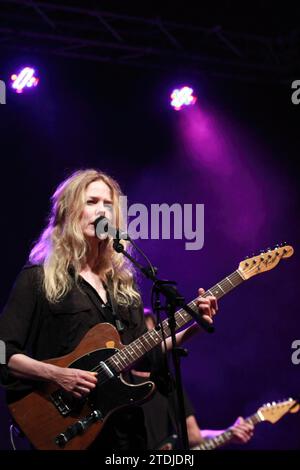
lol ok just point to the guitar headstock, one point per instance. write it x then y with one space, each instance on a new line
274 411
265 261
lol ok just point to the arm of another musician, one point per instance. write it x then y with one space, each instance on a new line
242 432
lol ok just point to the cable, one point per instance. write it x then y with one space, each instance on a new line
12 430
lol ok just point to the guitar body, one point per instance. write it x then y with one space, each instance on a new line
54 420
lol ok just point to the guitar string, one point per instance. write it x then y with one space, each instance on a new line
235 277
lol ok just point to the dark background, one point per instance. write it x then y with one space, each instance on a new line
243 167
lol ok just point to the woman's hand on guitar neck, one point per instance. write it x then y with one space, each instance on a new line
207 306
76 381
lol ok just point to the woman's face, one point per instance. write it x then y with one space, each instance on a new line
98 201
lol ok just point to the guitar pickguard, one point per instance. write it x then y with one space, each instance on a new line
112 391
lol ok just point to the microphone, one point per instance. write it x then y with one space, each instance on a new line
104 227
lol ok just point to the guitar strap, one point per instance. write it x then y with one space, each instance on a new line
114 307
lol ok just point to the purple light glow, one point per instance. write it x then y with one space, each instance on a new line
223 152
182 97
25 78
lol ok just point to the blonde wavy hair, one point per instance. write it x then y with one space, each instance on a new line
62 247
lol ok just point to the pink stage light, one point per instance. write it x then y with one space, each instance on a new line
25 78
182 97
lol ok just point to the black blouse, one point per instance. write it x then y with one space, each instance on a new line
31 325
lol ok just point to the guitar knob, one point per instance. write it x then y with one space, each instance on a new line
61 440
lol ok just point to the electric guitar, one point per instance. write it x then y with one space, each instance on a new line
52 419
271 412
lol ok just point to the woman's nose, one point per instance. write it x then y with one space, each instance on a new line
100 209
103 211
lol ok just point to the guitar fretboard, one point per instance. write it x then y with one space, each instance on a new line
134 351
224 437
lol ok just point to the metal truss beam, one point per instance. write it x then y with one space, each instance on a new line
91 34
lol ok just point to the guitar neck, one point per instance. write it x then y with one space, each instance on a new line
134 351
224 437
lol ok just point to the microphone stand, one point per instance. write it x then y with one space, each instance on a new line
173 299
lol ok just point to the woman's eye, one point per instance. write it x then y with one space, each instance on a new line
90 202
108 206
